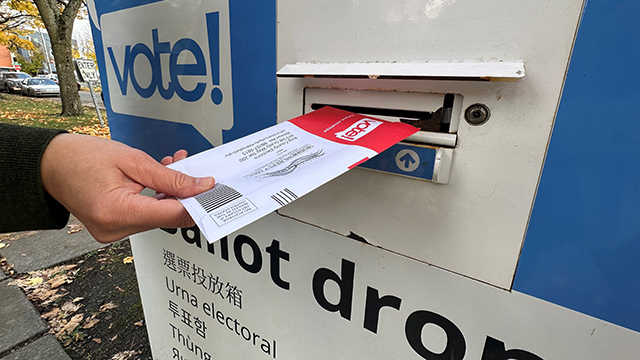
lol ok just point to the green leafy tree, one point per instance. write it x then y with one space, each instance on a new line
58 17
33 65
89 51
15 16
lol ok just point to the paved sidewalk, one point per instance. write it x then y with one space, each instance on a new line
85 97
23 334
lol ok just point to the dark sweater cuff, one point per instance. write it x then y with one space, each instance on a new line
24 204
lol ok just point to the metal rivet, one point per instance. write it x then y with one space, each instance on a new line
477 114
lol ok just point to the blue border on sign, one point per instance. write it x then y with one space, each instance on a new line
582 248
253 64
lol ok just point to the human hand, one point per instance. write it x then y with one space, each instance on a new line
99 181
179 155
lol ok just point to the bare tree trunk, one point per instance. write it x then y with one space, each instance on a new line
71 103
59 24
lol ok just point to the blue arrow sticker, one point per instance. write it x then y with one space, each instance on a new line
414 161
407 159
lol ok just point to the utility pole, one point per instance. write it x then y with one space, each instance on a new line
46 50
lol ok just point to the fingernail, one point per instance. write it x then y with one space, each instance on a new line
205 182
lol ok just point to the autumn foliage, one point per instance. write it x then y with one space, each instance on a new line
45 112
16 16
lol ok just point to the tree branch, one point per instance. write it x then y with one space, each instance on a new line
48 10
15 20
53 4
71 10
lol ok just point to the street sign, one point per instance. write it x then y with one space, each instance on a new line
17 67
86 70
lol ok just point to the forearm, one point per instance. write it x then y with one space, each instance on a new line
24 204
43 173
100 181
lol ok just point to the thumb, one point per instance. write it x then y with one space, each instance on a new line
152 174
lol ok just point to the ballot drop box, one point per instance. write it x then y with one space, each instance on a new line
506 228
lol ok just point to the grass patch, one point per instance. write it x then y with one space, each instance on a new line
45 112
96 89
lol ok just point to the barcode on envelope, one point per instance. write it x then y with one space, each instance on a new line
219 196
284 196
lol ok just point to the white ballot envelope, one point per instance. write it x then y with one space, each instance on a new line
267 170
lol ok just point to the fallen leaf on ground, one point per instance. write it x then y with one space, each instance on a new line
74 228
3 245
56 324
71 325
70 307
51 314
128 260
139 323
57 281
108 306
95 130
48 295
96 340
114 338
50 277
77 299
33 281
120 289
90 324
125 355
16 236
45 295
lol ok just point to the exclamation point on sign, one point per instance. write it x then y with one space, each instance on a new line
213 30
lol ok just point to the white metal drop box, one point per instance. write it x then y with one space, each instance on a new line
491 98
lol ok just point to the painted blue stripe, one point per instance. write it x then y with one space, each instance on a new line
103 7
157 138
582 249
253 66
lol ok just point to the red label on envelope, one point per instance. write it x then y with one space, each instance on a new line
354 129
266 170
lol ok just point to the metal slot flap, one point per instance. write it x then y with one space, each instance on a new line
437 115
476 71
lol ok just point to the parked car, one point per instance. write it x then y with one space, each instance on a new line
11 81
39 87
53 77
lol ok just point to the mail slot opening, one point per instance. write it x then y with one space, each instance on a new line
436 115
435 121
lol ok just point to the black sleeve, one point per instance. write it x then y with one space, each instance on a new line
24 204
